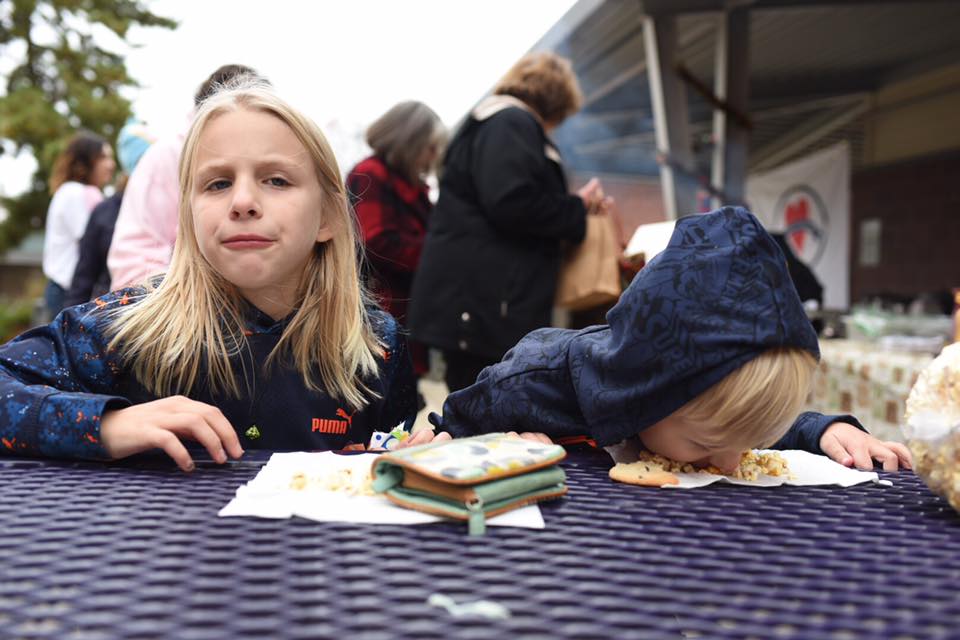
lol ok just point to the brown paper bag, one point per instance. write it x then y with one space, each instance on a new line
590 275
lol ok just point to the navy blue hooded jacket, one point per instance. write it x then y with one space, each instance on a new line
91 277
56 381
716 297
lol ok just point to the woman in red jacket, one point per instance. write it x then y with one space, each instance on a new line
392 203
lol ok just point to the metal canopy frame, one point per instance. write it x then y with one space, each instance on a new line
637 59
730 100
671 115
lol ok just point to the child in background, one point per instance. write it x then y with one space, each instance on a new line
79 174
146 228
259 336
708 353
91 278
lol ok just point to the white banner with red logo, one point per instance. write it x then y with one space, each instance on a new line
809 201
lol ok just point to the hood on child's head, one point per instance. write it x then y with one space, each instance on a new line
715 298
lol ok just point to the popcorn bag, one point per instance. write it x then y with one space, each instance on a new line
932 426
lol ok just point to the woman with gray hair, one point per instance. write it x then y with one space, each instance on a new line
392 203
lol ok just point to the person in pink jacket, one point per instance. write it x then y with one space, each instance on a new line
147 225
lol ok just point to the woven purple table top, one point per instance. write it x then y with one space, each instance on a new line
99 551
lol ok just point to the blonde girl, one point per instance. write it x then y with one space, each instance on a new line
259 336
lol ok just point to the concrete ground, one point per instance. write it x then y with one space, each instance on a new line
434 392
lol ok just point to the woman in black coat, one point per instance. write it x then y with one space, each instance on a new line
488 272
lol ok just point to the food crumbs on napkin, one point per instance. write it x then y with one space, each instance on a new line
328 487
346 481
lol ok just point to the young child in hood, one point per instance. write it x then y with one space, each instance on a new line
260 335
708 353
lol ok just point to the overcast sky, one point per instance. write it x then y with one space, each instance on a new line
344 62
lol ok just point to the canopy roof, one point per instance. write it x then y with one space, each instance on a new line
812 66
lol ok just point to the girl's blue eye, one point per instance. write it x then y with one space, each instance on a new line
278 182
218 185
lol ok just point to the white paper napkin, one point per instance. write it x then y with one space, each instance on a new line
269 496
806 469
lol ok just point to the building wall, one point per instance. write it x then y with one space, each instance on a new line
917 203
638 199
914 117
909 183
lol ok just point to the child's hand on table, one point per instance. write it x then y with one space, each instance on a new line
427 435
160 425
851 447
536 436
423 437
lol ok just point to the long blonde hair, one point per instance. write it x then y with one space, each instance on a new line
758 402
190 324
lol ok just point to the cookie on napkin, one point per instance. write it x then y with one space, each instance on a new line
646 474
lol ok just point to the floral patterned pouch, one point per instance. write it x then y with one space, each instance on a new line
471 478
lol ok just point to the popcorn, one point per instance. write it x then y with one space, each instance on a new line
752 465
341 481
932 427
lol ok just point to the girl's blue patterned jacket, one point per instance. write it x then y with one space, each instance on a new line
56 382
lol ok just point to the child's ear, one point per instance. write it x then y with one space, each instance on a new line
325 233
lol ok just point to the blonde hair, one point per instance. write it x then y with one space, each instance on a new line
401 134
546 83
192 320
758 402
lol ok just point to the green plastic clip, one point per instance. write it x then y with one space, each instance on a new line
476 521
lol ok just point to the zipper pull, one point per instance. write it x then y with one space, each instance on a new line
476 523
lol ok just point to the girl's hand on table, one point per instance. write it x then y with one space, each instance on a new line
851 447
162 423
